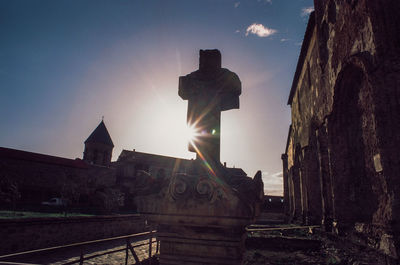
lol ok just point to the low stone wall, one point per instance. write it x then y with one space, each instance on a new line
34 233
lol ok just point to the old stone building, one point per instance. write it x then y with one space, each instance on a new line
341 164
88 182
99 146
135 168
130 163
39 177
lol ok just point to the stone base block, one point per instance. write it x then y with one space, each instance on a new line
199 245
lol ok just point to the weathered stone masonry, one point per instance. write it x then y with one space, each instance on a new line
341 164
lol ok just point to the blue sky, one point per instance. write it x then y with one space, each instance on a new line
65 64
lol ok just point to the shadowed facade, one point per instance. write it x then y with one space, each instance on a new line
341 160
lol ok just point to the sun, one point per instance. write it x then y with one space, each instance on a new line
191 133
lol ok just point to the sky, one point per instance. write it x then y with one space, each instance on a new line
66 64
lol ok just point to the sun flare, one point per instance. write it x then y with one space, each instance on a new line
191 133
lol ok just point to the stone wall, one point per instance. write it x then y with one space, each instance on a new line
27 234
40 177
341 163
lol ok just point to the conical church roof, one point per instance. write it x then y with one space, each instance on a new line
100 135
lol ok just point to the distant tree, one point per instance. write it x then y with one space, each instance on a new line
108 200
115 200
69 195
9 192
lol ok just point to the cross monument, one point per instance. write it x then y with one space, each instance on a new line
209 91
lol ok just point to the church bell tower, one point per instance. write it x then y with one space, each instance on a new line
98 146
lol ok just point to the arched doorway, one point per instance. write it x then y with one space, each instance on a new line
353 196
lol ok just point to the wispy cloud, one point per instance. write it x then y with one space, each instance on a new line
236 5
284 40
237 31
277 174
273 183
260 30
265 1
306 11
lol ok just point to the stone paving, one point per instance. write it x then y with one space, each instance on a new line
115 258
64 256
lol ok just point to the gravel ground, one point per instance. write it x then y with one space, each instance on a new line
273 248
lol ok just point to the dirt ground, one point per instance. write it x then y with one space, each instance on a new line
298 247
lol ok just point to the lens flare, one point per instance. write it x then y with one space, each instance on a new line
191 133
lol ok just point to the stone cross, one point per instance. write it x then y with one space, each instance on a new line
209 90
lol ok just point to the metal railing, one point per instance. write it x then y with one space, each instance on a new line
258 228
129 239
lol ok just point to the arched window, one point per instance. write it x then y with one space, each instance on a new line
105 158
95 155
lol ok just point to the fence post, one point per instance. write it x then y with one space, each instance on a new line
126 251
81 257
137 261
157 244
150 244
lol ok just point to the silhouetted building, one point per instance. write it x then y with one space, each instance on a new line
130 163
98 146
341 164
39 177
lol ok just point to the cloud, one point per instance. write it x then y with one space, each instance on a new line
236 5
237 31
283 40
306 11
265 1
277 174
260 30
273 183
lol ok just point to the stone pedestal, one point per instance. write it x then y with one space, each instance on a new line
200 218
200 245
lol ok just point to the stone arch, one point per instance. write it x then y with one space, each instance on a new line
325 176
297 185
352 187
311 171
292 197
